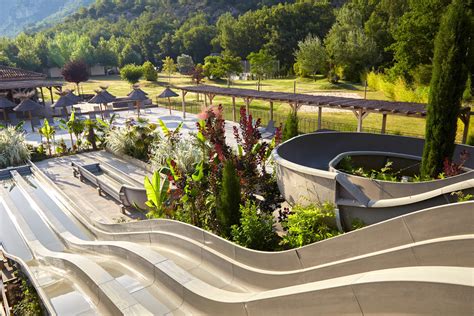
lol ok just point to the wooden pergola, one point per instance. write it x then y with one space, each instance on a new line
360 107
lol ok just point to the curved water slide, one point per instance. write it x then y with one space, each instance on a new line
257 278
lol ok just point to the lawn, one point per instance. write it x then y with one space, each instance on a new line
308 121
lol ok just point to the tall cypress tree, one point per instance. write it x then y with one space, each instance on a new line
448 82
228 207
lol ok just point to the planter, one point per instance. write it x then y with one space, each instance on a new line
307 173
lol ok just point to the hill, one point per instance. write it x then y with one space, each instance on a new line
17 15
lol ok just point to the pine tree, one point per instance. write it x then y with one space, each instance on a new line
290 128
447 86
228 208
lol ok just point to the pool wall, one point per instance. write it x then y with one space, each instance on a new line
305 176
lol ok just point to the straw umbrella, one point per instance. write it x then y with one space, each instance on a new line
137 95
64 101
168 93
28 105
4 105
70 94
107 94
100 98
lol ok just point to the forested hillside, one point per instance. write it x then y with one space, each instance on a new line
16 15
347 39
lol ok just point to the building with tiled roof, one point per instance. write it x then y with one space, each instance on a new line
15 74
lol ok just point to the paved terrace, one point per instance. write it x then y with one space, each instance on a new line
152 114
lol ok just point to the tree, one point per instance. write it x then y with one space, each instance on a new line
262 64
185 64
290 129
149 71
194 37
450 70
169 66
131 73
228 209
222 66
311 57
105 55
129 56
75 71
348 46
198 73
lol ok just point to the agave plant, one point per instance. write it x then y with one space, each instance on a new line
13 147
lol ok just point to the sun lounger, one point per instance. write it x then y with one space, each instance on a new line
269 130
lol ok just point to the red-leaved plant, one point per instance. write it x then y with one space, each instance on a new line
450 168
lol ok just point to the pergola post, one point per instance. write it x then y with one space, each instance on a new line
51 93
234 113
205 99
360 115
247 105
465 118
384 123
184 103
320 117
42 96
271 110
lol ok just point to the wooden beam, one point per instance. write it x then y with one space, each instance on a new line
384 123
271 110
234 113
42 96
247 105
184 104
320 117
205 100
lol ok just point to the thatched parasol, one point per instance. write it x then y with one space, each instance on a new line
66 99
28 105
107 94
4 105
137 95
100 98
168 93
70 94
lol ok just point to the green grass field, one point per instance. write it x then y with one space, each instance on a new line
308 121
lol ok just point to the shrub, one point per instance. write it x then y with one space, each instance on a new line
157 195
228 206
134 139
290 128
255 230
185 153
13 148
131 73
149 71
309 224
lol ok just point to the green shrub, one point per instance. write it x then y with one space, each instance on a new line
398 90
255 230
13 148
228 206
290 128
149 71
308 224
131 73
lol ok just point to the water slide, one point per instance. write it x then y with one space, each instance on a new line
165 266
